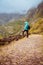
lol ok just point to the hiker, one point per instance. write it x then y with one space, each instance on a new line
26 28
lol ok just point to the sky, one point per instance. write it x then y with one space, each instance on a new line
17 6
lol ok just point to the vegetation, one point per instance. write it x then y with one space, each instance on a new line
11 28
37 27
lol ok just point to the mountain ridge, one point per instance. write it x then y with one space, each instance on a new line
6 17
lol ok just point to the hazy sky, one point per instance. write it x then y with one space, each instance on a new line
15 6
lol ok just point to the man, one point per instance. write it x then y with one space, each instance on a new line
26 28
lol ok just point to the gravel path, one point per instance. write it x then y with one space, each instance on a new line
27 51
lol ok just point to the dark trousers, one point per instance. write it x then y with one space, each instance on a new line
26 32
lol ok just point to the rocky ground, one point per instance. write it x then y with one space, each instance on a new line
26 51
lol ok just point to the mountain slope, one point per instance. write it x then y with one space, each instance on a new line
37 27
35 13
11 28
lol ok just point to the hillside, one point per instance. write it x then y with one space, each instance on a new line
35 12
35 16
27 51
37 27
11 28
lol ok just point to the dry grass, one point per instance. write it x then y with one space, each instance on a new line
37 27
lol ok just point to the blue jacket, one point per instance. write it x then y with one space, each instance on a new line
26 24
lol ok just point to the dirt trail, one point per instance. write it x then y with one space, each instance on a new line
27 51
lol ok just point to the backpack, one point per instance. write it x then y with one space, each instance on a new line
28 27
